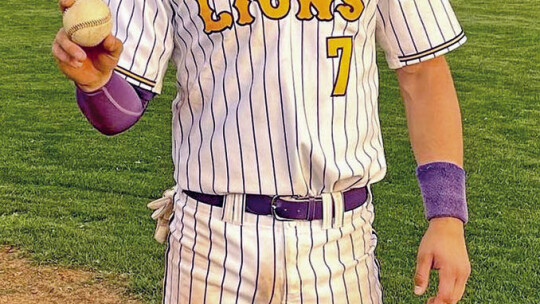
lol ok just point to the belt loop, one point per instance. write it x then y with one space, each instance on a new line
227 209
339 209
311 209
234 206
368 204
327 210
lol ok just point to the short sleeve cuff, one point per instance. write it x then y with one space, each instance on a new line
138 80
433 52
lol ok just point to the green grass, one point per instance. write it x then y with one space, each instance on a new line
73 197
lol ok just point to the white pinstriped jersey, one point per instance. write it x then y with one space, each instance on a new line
277 97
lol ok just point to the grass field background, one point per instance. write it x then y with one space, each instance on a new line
73 197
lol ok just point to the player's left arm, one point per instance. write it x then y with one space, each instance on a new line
434 123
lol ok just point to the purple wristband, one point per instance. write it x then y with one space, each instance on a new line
115 107
443 189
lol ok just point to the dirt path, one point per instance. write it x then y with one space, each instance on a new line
22 282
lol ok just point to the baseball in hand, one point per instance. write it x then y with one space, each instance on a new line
88 22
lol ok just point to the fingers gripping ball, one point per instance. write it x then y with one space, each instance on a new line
87 22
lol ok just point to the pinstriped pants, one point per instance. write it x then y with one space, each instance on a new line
265 260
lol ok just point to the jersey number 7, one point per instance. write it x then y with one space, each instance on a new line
344 43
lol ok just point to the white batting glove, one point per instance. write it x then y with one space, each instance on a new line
163 210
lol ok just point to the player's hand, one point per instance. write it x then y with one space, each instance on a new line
89 68
443 248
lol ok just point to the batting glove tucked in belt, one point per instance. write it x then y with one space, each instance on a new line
163 210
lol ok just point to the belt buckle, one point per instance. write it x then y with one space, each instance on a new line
273 210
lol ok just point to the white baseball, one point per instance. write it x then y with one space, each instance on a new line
88 22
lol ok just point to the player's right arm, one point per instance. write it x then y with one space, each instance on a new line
107 100
116 79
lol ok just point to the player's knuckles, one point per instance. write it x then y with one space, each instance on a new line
61 34
72 49
54 49
117 47
68 46
58 53
62 37
61 57
120 45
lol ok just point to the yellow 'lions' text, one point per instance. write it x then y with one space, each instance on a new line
350 10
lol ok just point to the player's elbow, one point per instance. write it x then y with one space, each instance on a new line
110 131
114 127
111 117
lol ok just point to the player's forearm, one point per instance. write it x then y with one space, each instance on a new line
434 122
433 114
115 107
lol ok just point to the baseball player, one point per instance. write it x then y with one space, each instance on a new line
276 139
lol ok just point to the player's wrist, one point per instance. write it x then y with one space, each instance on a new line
443 190
446 221
95 86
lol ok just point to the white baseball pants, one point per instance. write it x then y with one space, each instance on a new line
264 260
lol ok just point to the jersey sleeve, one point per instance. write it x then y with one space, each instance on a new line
412 31
146 31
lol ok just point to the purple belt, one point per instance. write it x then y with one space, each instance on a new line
308 209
